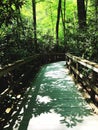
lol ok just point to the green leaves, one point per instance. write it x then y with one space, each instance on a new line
8 9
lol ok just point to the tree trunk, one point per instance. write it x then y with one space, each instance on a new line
86 5
81 14
57 23
63 18
52 20
34 23
96 14
64 9
63 22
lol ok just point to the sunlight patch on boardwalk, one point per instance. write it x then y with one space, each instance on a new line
54 103
46 121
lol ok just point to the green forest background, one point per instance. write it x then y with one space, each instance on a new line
45 26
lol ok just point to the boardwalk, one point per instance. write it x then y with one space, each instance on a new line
54 103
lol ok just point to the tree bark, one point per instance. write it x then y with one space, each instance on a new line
34 23
64 9
96 14
63 17
52 20
63 22
57 23
81 14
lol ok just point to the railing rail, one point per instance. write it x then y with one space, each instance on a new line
12 77
49 57
15 65
6 72
41 58
85 72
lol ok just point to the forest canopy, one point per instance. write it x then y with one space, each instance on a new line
44 26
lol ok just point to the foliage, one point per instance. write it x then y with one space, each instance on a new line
15 43
16 29
9 10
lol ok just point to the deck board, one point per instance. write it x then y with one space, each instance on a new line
54 103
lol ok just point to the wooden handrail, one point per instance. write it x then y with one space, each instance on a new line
16 64
85 72
10 73
85 63
10 67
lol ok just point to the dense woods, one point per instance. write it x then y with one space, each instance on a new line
40 26
37 32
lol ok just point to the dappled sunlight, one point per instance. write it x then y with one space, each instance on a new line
46 121
53 102
53 72
44 99
36 91
58 93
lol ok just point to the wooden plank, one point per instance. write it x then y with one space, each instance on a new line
60 105
3 94
91 65
77 72
16 64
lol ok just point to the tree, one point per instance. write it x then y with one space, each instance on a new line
81 13
34 23
8 11
96 14
63 18
57 22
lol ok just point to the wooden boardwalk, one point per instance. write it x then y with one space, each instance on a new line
54 103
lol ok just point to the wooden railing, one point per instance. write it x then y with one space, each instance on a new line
13 78
37 59
86 73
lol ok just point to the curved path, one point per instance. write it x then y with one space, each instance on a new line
54 103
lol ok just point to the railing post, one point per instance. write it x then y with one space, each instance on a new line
93 80
70 65
81 69
77 66
66 59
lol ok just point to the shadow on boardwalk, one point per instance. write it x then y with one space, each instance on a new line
53 91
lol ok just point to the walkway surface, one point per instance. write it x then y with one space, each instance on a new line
54 103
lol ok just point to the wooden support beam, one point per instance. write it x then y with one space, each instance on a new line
87 81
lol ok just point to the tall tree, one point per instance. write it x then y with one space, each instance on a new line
81 13
52 20
63 17
57 22
34 23
96 14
